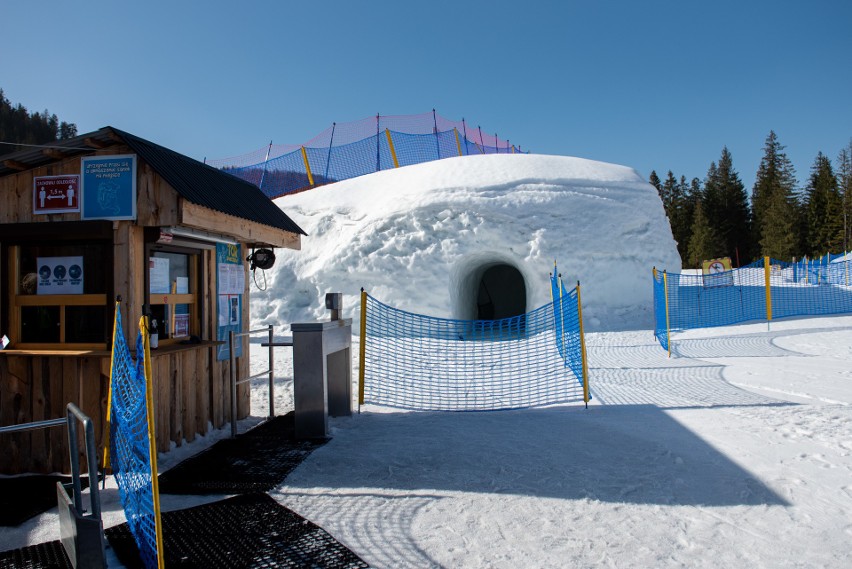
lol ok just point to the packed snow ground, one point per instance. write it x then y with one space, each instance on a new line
736 452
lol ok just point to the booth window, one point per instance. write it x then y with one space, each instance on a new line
172 293
58 294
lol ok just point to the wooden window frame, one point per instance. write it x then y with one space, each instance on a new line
18 301
193 298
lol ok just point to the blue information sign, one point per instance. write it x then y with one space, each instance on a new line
108 187
230 283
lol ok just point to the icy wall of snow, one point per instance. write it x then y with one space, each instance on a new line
421 237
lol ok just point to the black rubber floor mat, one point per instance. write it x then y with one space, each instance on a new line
22 497
50 555
251 530
255 461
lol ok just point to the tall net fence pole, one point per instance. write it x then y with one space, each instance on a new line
583 348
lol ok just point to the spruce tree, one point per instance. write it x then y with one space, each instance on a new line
654 180
775 176
726 208
20 126
823 209
844 185
703 243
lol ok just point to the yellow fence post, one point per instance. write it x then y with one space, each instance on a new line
362 348
393 152
307 166
766 271
458 142
668 327
152 440
109 391
583 348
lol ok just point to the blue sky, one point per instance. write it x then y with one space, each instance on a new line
652 85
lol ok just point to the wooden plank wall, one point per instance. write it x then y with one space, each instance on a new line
39 388
191 391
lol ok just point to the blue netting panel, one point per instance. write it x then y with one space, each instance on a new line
129 447
818 289
347 150
566 316
795 289
426 363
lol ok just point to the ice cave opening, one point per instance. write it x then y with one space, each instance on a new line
489 290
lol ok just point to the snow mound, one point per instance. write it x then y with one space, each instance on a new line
475 237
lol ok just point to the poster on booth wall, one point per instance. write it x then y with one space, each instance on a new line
230 284
109 187
56 194
60 275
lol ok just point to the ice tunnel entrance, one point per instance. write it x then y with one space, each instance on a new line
502 293
489 290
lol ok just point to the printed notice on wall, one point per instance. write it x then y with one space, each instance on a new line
108 187
232 279
158 273
230 284
60 275
56 194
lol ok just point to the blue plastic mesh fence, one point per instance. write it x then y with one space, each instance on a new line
129 447
421 362
795 289
348 150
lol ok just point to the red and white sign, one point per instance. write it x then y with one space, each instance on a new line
56 194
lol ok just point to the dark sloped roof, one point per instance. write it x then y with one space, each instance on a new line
195 181
206 186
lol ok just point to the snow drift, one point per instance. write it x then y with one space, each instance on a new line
475 237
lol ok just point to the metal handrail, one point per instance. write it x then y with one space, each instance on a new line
33 426
233 372
74 412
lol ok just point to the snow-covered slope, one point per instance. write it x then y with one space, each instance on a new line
421 237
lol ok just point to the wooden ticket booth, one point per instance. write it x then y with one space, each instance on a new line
109 215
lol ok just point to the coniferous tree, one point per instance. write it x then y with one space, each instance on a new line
703 243
654 180
19 126
775 177
726 207
823 210
844 185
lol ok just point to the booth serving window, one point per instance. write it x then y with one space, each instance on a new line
58 294
172 293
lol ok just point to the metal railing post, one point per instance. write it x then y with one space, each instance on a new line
233 375
92 461
271 377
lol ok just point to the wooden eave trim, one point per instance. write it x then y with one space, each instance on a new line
94 143
15 165
53 153
206 219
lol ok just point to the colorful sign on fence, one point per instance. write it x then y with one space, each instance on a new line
717 272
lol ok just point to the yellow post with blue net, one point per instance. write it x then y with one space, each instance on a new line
766 271
392 150
307 166
152 441
668 325
109 391
362 348
458 142
583 348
